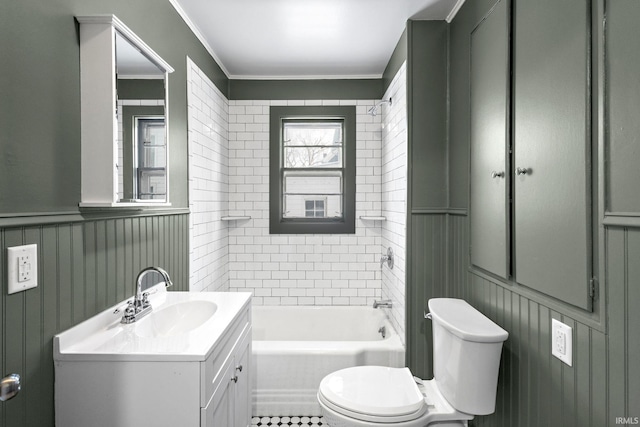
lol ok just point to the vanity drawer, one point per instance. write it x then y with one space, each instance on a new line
211 369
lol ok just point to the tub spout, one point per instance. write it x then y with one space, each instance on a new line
386 303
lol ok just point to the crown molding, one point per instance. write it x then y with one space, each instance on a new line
196 31
454 11
307 77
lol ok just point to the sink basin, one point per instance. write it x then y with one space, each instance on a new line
182 326
176 319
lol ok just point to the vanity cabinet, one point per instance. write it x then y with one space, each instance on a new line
531 148
229 385
109 374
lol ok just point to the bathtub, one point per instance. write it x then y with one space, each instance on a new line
295 347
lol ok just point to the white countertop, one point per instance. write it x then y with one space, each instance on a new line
104 338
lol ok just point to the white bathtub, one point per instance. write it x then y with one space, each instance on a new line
295 347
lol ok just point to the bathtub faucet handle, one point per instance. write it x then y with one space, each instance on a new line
388 258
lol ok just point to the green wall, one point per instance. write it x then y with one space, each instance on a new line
535 388
84 267
427 113
86 262
140 89
40 92
398 57
426 44
305 89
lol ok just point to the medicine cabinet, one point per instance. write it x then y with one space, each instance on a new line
124 117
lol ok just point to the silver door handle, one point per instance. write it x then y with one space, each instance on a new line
9 387
522 171
495 174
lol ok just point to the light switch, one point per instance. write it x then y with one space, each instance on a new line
22 268
561 341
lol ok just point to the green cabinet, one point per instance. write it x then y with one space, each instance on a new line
489 200
552 140
533 226
622 109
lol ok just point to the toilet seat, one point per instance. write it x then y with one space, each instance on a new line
373 393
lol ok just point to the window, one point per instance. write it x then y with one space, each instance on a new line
312 170
151 159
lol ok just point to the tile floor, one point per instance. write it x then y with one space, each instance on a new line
287 421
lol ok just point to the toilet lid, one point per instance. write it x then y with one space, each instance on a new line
376 391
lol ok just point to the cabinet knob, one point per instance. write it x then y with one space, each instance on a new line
239 368
495 174
234 378
522 171
9 387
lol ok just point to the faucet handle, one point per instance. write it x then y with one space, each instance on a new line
130 310
145 299
388 258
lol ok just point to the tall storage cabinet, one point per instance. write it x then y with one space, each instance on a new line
552 140
489 202
544 127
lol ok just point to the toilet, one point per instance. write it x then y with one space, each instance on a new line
466 356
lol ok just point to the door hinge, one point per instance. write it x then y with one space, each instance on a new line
593 288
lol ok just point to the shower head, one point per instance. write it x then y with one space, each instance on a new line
374 110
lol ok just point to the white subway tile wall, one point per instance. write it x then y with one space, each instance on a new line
229 175
208 126
394 196
301 269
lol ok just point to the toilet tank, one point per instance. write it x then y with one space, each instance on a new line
466 355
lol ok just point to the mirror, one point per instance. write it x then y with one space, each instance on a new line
124 117
141 137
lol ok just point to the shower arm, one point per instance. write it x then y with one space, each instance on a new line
374 110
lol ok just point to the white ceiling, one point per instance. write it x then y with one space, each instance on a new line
260 39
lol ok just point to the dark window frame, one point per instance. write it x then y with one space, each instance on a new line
280 225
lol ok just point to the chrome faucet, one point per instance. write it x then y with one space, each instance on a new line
140 306
386 303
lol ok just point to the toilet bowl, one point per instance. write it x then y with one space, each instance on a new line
384 397
466 352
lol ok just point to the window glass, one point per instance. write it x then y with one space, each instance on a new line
314 208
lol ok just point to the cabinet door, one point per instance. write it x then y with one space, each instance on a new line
489 204
243 385
552 148
219 411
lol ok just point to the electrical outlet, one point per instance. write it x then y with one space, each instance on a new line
22 268
561 341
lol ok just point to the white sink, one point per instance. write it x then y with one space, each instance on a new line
175 319
182 326
104 375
